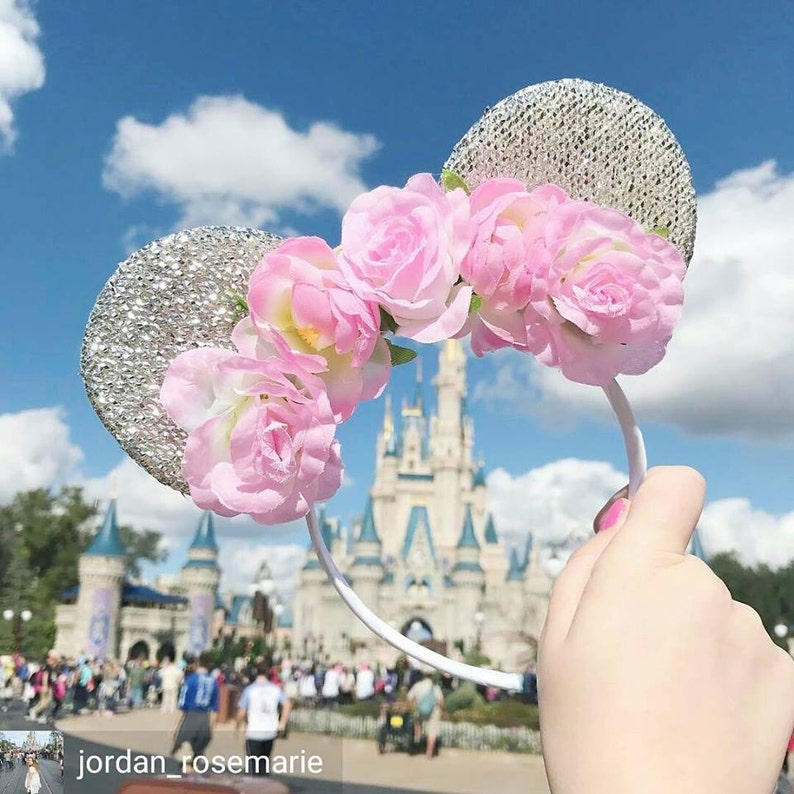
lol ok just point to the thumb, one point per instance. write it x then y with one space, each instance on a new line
570 584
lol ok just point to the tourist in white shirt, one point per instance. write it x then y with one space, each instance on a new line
259 709
331 686
365 683
170 680
307 687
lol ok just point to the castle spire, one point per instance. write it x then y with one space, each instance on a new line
468 540
527 551
418 396
490 531
369 533
205 533
107 542
516 571
388 421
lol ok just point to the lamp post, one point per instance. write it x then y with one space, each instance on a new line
781 630
17 621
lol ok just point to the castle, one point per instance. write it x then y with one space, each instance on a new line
427 556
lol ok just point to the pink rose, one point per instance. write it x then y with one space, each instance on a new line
299 291
261 432
501 263
607 297
402 248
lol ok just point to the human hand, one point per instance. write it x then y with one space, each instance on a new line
651 678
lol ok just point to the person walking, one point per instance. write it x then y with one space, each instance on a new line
365 683
171 678
198 701
265 710
33 776
43 684
82 680
428 699
135 677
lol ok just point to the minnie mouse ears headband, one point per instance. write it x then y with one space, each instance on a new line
222 359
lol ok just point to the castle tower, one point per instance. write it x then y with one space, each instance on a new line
200 578
514 586
494 555
367 569
384 488
537 585
307 615
101 571
450 444
468 576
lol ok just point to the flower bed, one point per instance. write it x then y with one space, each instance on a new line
463 735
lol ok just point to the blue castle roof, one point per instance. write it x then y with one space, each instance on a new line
107 542
418 520
527 552
205 533
516 571
490 531
134 594
479 477
327 532
369 533
468 540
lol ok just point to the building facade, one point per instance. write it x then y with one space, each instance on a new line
106 616
427 556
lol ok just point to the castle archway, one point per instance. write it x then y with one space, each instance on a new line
418 630
138 649
167 650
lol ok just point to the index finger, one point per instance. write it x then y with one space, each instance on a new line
663 514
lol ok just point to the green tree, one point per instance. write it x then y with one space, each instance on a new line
769 591
42 536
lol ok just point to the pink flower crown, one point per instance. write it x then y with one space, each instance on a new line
582 287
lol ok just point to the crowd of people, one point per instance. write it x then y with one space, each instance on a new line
56 685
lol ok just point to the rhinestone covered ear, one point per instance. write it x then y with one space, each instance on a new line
176 293
595 142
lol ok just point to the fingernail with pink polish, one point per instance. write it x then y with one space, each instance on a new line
613 515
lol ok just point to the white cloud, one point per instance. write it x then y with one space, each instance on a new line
729 370
145 503
228 161
754 535
551 501
35 451
563 497
21 62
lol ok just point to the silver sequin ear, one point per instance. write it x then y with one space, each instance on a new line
174 294
596 143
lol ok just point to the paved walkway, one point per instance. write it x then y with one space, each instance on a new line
353 761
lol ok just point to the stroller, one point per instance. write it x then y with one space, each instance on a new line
397 729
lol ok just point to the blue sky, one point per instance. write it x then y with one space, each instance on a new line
414 77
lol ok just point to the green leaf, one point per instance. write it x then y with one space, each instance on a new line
450 181
240 304
662 231
476 302
387 322
399 354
